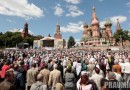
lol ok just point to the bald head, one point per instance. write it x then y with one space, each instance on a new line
39 77
55 66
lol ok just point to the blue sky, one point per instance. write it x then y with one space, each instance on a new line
43 15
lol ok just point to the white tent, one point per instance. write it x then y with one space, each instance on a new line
47 38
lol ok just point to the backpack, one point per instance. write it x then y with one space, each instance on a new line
37 87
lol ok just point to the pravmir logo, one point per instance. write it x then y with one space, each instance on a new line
117 84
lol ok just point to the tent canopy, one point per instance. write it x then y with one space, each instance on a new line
47 38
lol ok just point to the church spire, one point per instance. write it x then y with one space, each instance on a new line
94 14
58 23
94 17
118 27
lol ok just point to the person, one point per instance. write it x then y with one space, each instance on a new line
82 83
31 76
54 77
118 76
97 77
18 79
22 70
60 68
7 83
90 67
45 73
100 71
59 86
111 82
116 67
39 84
4 69
69 79
103 85
127 71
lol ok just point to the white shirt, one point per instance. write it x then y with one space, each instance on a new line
97 79
127 68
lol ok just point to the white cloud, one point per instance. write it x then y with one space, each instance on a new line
58 10
114 20
128 4
74 11
20 8
121 19
11 21
102 23
73 27
73 1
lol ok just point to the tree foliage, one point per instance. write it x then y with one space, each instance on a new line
71 42
121 35
10 39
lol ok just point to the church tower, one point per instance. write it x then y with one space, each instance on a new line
85 26
118 27
26 29
57 34
108 25
104 34
95 24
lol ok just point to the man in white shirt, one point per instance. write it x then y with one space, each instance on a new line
127 70
97 78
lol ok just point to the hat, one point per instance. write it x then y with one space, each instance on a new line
83 72
97 66
69 66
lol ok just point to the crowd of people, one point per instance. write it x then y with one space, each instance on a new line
63 69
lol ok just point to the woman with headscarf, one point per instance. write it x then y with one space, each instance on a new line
83 82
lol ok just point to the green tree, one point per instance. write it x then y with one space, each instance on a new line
16 38
71 42
29 40
121 35
38 37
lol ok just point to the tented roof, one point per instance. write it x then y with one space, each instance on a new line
48 38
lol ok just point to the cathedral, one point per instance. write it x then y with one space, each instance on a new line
94 35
